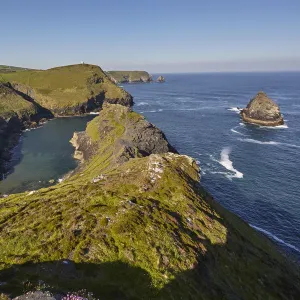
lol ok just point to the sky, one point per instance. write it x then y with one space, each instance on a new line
157 36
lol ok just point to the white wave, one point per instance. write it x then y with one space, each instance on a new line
275 238
142 104
227 163
242 124
235 131
94 113
160 109
235 109
268 143
259 142
284 126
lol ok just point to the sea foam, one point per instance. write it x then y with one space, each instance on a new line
269 143
227 163
275 238
235 109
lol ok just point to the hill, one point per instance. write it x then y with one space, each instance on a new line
68 90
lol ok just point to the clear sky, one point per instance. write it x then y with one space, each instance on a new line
156 35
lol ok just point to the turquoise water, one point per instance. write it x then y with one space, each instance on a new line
43 154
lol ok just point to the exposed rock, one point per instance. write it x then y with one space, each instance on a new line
263 111
161 79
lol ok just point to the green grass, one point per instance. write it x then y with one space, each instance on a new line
12 104
131 237
64 87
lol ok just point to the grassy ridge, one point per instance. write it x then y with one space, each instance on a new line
137 229
65 87
12 104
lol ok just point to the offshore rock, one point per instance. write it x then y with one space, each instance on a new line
263 111
160 79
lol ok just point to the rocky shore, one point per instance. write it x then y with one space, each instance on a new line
263 111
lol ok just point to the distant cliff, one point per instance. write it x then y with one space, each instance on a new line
129 76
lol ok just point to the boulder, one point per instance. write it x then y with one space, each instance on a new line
263 111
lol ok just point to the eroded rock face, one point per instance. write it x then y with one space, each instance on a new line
160 79
263 111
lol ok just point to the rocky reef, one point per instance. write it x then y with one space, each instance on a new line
161 79
133 222
129 76
262 110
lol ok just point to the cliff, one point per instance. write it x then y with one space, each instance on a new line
133 222
68 90
129 76
263 111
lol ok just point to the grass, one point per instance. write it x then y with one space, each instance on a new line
13 104
146 230
70 86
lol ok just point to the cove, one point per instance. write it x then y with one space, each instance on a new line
43 154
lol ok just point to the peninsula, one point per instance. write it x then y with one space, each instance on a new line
132 221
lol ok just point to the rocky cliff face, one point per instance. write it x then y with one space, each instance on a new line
133 222
263 111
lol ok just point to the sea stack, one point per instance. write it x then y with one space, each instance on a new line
263 111
160 79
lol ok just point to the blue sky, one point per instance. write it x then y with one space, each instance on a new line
159 36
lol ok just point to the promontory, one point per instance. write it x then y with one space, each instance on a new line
262 110
133 222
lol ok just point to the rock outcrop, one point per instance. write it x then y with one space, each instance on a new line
263 111
129 76
161 79
133 222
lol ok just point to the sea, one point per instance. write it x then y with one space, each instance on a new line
251 170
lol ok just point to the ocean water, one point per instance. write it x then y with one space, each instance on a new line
251 170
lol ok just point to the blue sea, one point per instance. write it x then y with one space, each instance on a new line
251 170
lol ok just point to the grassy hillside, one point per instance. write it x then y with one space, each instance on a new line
135 228
129 76
65 90
13 104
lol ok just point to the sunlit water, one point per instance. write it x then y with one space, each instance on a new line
253 171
